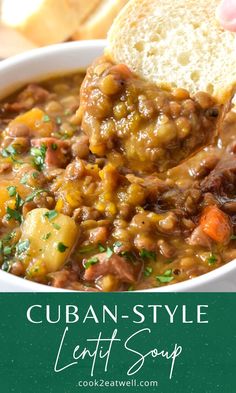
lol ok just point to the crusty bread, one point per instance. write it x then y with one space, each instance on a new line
175 44
99 21
46 21
12 42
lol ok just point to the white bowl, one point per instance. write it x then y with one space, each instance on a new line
40 63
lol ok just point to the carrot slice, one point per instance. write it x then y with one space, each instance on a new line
216 224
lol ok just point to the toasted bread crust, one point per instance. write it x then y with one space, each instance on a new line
99 21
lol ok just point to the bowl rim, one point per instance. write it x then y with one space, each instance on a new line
50 49
185 286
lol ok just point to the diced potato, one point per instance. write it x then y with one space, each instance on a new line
51 240
36 120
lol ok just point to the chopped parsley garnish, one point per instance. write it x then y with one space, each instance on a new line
233 237
39 155
145 254
61 247
117 244
165 277
109 252
35 175
46 119
35 193
13 214
56 226
58 120
19 201
64 136
24 179
131 288
86 249
101 247
6 266
212 259
46 236
7 250
67 112
54 146
11 191
51 214
91 262
22 246
9 151
129 255
8 236
148 271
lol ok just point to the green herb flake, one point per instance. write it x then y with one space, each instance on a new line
109 252
19 201
39 155
24 179
46 119
101 247
54 146
169 260
51 214
13 214
86 249
165 277
145 254
35 193
56 226
35 175
9 151
129 255
8 236
233 237
117 244
58 120
11 191
7 250
61 247
148 271
131 288
6 266
212 259
90 262
22 246
46 236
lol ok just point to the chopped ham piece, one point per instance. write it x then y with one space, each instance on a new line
57 153
114 265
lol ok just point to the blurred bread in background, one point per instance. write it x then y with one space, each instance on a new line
12 42
46 22
99 21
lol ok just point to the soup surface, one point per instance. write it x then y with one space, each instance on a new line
115 185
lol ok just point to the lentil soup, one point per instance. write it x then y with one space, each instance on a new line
108 183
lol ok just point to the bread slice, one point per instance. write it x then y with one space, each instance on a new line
175 44
13 42
46 21
100 20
